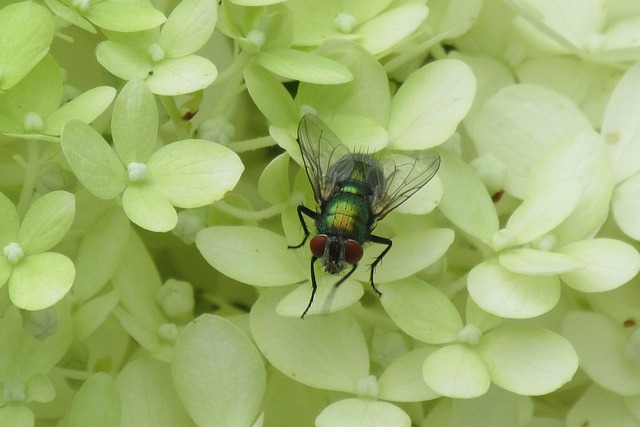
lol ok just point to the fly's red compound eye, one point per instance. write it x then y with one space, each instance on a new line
317 245
353 252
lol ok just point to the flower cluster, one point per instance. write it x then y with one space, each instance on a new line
150 175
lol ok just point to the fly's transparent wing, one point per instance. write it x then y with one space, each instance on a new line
326 159
403 177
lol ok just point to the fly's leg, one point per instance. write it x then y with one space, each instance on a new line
346 276
302 209
381 241
314 285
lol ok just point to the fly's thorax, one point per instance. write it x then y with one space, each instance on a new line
336 252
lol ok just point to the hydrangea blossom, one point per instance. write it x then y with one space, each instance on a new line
510 294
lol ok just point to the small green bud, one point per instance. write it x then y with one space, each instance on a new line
344 22
33 122
41 324
175 298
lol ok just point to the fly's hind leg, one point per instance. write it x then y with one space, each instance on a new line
381 241
302 209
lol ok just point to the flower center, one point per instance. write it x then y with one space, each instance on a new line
470 334
13 252
368 387
155 52
344 22
137 171
33 122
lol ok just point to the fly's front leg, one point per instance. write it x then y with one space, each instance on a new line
302 209
314 285
381 241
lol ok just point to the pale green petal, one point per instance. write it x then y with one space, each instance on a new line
367 94
424 200
384 31
47 221
601 408
85 107
603 347
271 98
497 408
92 160
148 396
421 311
528 360
179 76
491 76
212 376
543 211
70 15
26 31
194 172
148 208
430 104
105 239
402 381
536 262
362 412
452 18
358 133
229 249
126 62
519 123
465 200
124 16
97 403
273 184
41 280
588 85
145 334
512 295
188 27
456 371
10 224
572 22
38 92
92 314
255 2
17 416
5 270
304 66
584 157
328 297
134 123
626 206
609 264
410 253
40 389
619 127
333 346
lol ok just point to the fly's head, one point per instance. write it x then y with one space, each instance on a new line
336 252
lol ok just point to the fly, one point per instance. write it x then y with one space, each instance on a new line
353 191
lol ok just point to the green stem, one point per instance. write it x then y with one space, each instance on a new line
73 375
251 144
245 215
233 78
31 167
181 127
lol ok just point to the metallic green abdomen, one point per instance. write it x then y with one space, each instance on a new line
346 214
